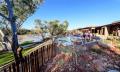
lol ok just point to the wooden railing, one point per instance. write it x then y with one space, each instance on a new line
34 60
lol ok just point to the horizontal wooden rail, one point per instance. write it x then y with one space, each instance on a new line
35 59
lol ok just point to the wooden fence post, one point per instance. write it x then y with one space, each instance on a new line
33 62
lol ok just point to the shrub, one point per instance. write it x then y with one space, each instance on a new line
98 51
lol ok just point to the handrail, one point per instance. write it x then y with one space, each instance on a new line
39 46
49 42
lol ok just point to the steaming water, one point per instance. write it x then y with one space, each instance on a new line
33 38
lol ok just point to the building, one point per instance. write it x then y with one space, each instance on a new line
109 29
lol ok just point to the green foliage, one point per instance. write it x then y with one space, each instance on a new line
22 10
13 13
6 57
26 43
57 28
98 51
23 31
52 28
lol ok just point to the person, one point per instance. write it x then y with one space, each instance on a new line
84 37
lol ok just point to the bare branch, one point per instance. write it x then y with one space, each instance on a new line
4 16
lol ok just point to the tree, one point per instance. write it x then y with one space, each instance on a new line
52 28
15 12
42 28
23 31
56 28
22 9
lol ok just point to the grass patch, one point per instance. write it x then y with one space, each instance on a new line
26 43
25 51
106 41
116 42
7 56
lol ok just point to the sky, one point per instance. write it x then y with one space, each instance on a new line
79 13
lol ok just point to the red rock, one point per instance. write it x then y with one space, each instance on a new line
67 58
98 65
116 50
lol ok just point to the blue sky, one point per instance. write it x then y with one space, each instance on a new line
79 13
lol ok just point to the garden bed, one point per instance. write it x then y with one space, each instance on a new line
78 58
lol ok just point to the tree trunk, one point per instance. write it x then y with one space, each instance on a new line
14 29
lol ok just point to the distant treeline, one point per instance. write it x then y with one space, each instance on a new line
24 31
19 32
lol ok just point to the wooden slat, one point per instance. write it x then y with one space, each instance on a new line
14 67
5 70
39 57
34 60
10 69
